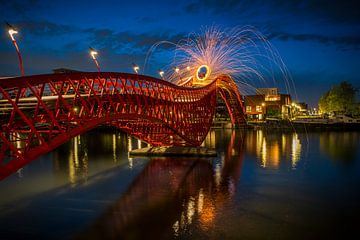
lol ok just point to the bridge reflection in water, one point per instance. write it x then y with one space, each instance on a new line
170 194
262 183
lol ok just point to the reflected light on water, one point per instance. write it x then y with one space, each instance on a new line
295 150
114 147
217 175
176 228
259 139
183 193
272 148
263 153
340 146
200 201
76 151
72 174
77 170
207 215
129 144
191 198
275 155
190 210
283 143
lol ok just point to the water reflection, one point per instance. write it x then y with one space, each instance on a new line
178 193
340 146
182 198
295 150
80 148
77 161
273 147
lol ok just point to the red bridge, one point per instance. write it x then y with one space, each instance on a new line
39 113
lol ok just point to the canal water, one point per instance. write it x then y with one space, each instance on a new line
262 185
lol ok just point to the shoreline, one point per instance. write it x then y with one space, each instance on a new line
306 126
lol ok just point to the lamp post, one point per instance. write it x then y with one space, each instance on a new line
93 54
12 31
136 68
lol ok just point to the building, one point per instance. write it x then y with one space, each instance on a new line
267 102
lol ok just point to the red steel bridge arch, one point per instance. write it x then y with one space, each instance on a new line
39 113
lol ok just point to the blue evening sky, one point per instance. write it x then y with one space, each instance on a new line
319 41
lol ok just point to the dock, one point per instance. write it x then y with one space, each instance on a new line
174 152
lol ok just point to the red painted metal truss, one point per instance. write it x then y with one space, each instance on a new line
39 113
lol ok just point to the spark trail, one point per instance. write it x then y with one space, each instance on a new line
243 53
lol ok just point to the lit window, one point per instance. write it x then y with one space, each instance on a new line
248 108
258 108
272 98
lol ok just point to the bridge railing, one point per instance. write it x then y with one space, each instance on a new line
39 113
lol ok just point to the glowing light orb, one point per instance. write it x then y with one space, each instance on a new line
203 72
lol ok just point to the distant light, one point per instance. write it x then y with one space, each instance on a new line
188 68
161 73
177 70
11 33
263 104
136 68
93 53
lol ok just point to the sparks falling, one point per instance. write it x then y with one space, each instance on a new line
242 53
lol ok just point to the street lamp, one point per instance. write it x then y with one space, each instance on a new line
93 54
161 73
177 70
12 31
136 68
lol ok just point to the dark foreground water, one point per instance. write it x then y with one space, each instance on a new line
262 185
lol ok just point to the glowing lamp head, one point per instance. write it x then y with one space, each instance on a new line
11 32
93 53
136 68
188 68
161 73
177 70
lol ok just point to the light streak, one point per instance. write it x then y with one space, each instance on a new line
242 53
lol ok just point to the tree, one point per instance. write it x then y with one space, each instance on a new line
324 103
340 98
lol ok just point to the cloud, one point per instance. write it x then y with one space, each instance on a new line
17 7
108 38
117 49
146 20
45 28
343 42
279 18
98 37
331 10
